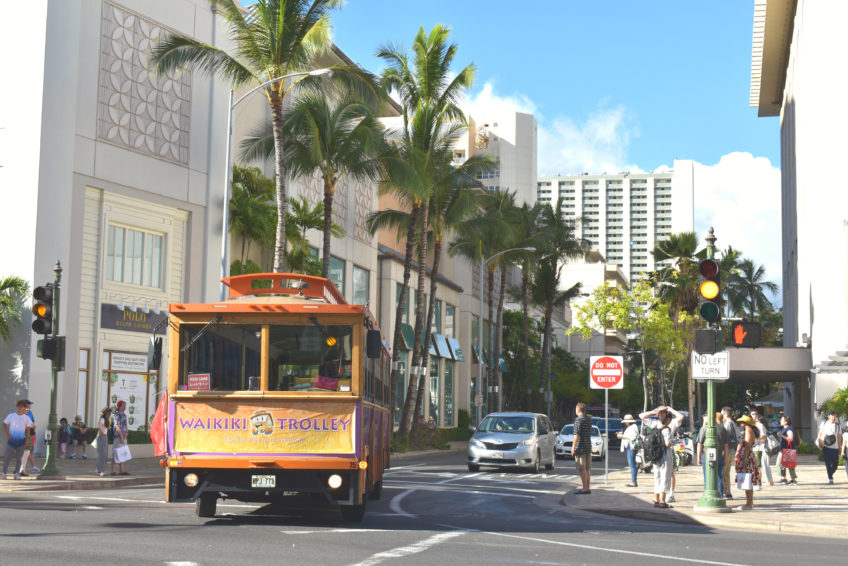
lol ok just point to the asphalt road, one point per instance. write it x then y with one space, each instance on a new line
433 511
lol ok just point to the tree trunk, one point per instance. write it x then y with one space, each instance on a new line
329 190
644 382
412 390
498 341
276 102
428 325
406 414
525 283
545 375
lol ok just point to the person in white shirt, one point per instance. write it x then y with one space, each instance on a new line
18 427
760 450
629 447
830 442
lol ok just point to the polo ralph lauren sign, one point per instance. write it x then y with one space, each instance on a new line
113 318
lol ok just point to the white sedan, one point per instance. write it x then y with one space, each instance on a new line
566 438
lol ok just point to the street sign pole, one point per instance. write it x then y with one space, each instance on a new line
50 469
711 500
606 372
606 437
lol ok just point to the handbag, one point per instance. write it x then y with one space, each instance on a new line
830 439
324 382
789 457
94 442
772 445
744 481
122 454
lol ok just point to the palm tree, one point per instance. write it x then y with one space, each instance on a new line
729 270
429 93
251 207
283 37
752 288
528 233
13 292
335 139
678 283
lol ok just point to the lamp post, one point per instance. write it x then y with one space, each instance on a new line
225 242
483 264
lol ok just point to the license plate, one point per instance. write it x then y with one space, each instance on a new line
263 481
498 455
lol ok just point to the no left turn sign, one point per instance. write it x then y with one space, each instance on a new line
606 372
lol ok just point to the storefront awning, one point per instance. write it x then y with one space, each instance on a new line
408 337
442 346
456 350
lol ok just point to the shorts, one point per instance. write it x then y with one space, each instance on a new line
583 462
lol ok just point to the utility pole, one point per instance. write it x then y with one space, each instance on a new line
50 470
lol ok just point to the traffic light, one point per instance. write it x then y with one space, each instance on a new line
43 309
709 306
747 334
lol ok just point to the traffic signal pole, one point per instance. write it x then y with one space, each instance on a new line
711 500
50 470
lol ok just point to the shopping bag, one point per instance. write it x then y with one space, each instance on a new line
122 454
24 459
744 481
94 442
789 457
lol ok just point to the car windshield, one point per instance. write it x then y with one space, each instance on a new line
514 424
568 429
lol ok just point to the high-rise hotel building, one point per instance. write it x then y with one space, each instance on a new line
624 215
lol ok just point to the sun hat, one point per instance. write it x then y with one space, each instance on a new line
628 418
745 419
831 412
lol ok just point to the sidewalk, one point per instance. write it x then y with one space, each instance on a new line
813 507
80 474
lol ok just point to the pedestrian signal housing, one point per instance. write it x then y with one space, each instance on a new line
43 309
709 289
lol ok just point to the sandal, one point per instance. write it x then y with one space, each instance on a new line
630 485
662 505
747 508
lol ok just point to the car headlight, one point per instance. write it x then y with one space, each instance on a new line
559 442
477 444
528 442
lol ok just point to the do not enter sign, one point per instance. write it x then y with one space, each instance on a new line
606 372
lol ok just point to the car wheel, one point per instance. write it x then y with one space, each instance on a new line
206 504
473 468
353 513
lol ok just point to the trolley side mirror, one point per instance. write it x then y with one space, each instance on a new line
373 344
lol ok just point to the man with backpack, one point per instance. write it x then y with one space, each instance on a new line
664 422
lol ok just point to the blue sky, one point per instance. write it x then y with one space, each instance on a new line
614 85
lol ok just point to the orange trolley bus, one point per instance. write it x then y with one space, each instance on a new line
282 390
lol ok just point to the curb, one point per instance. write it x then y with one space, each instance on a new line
91 484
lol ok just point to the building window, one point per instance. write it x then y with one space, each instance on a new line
450 321
337 273
434 390
437 317
134 257
448 408
361 285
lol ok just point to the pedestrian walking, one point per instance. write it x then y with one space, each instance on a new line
721 450
830 442
732 444
103 440
765 468
630 446
18 427
667 420
787 440
581 447
747 471
119 420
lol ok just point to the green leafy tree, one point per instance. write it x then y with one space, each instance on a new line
838 403
282 38
251 208
13 293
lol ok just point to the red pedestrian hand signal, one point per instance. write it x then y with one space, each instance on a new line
739 334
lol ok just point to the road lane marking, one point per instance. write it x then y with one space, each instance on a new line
670 557
431 487
324 531
394 505
415 548
454 490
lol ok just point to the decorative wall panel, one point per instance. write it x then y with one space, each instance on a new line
138 109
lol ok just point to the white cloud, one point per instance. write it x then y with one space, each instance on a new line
740 197
488 103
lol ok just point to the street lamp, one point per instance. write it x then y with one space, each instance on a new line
225 243
483 264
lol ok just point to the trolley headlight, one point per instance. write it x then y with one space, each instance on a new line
334 481
190 480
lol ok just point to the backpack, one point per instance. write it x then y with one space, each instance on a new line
655 446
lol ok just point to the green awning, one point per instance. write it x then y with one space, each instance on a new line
456 350
408 335
476 350
486 356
